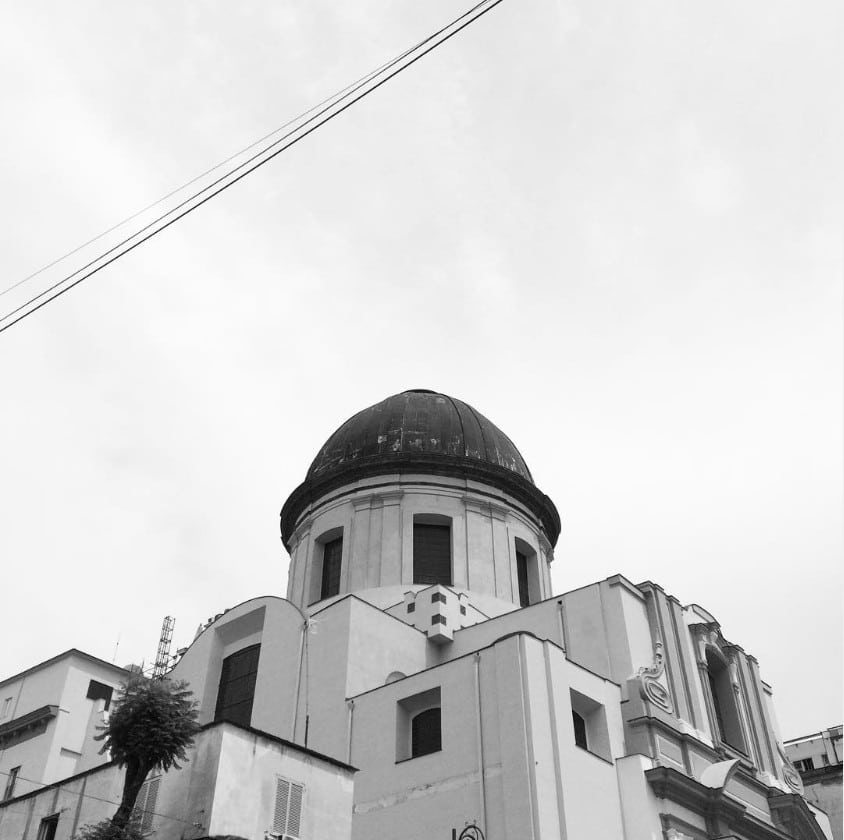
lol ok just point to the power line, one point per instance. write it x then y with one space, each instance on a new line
42 786
473 14
335 96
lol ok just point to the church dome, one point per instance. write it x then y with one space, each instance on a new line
420 431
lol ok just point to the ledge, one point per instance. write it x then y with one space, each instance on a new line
24 727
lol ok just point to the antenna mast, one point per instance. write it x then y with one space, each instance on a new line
162 658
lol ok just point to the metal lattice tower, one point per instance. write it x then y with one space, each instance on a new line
162 658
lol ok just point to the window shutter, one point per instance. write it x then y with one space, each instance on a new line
282 798
294 816
287 816
145 803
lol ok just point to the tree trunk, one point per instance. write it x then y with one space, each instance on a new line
135 776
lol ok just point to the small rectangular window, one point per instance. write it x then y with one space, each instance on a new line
287 815
438 596
49 826
332 557
411 607
438 619
100 691
419 725
11 781
7 708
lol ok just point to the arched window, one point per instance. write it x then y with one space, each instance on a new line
425 733
432 549
727 723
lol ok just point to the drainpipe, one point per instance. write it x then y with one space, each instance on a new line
480 737
299 679
351 704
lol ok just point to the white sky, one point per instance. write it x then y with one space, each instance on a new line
614 228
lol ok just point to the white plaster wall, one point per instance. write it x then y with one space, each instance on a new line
274 623
244 797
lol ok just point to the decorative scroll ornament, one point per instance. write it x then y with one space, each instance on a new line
649 683
471 832
789 772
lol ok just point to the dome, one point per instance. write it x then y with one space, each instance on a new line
415 423
420 431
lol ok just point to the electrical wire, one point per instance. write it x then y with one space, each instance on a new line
472 14
42 786
335 96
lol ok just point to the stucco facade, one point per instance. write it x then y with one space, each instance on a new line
421 676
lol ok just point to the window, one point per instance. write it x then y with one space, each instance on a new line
6 710
419 725
579 723
804 764
328 564
287 815
527 584
237 686
432 549
522 574
727 721
425 733
48 827
10 783
100 691
589 723
145 803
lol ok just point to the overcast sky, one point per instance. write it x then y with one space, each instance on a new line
613 227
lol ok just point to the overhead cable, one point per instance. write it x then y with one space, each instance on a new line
215 188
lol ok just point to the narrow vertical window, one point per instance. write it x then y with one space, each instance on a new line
522 574
10 783
49 826
727 723
579 723
332 556
432 551
237 686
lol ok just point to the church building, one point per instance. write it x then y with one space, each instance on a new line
422 680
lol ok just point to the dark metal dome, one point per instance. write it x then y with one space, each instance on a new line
420 431
414 423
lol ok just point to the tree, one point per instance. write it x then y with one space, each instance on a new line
107 830
153 724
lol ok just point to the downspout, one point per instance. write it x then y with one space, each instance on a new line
480 736
351 704
299 678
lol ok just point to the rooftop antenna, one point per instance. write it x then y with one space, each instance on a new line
162 658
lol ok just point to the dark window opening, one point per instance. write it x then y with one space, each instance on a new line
332 556
438 596
804 764
237 686
579 730
438 619
10 783
425 734
727 721
411 607
522 574
49 826
431 553
100 691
